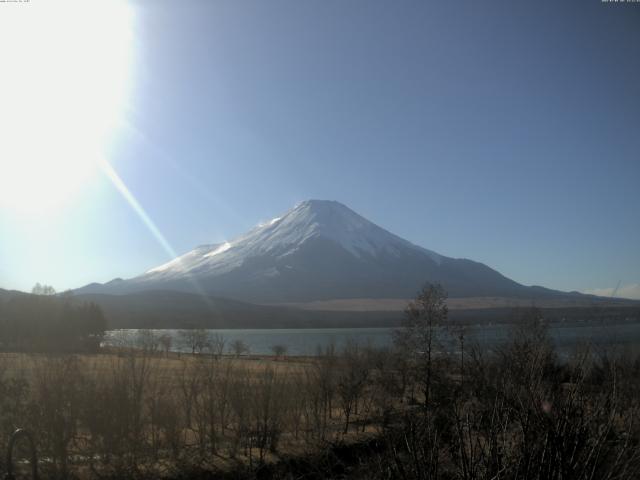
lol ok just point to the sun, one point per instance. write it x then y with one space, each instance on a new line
63 89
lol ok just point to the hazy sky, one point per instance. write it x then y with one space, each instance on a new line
505 132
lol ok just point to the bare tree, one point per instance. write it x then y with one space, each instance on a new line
165 341
39 289
322 379
147 340
217 342
279 351
239 347
267 410
196 339
58 388
418 336
351 382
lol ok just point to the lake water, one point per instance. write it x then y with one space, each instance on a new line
306 341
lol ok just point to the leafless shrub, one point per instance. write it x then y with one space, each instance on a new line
239 347
196 339
267 410
351 382
148 341
165 340
240 396
279 351
15 392
321 381
217 343
57 387
116 415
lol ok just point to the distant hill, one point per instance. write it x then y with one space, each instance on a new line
177 310
5 294
171 309
317 251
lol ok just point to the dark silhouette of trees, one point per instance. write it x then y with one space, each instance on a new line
47 322
39 289
197 339
279 351
239 347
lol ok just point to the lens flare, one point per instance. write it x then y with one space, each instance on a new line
65 77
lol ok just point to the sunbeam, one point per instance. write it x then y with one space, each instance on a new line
137 208
126 193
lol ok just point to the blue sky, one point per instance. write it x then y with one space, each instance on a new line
505 132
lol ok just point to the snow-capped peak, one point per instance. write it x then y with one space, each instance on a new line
337 222
318 250
284 235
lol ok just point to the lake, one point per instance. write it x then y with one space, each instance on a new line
306 341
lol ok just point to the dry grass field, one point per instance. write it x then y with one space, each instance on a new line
467 413
138 413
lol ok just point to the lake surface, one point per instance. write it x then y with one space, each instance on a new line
306 341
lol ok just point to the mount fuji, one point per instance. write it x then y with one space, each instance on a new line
318 251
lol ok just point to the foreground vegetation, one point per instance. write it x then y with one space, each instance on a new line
432 407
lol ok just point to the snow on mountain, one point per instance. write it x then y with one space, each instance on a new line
184 262
318 250
284 235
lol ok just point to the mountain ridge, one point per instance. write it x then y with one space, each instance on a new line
319 250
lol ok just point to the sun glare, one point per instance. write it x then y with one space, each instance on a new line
65 73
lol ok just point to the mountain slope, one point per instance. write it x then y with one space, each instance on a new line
319 250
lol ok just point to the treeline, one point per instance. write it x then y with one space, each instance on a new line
519 412
436 406
42 322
